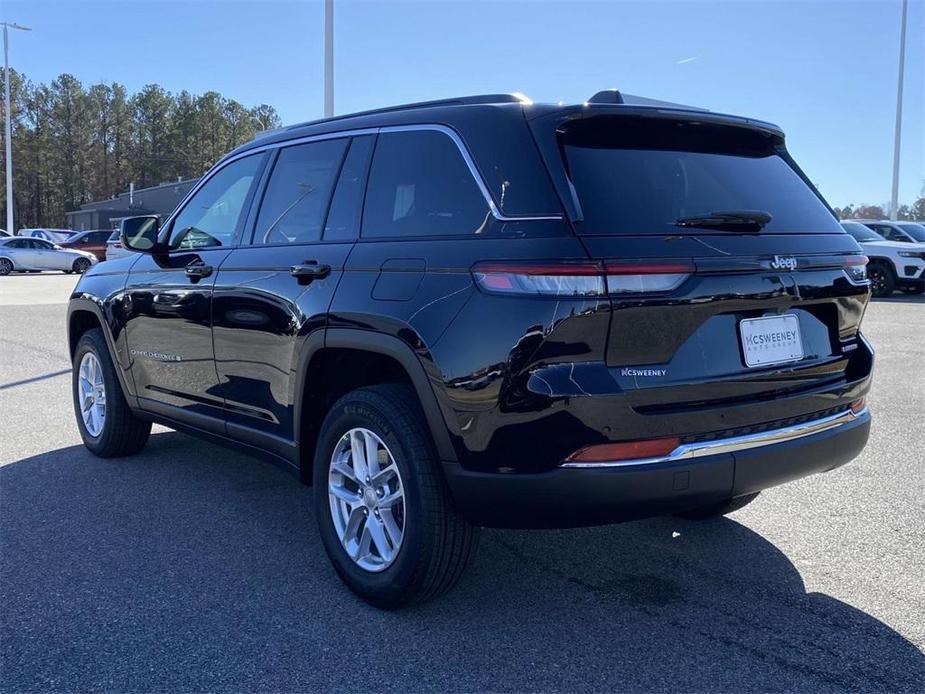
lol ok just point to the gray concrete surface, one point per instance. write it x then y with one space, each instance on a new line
191 567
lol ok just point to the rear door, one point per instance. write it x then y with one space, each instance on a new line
730 280
168 299
274 291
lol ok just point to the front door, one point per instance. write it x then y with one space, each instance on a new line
168 299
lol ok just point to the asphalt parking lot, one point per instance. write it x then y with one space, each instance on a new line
192 567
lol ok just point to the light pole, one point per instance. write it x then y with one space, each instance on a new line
328 58
9 121
894 199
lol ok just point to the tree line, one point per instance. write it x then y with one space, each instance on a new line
74 143
913 212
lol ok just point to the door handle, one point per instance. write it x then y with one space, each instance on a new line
310 270
197 270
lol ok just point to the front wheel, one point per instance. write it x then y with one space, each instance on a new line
80 266
384 512
882 282
107 425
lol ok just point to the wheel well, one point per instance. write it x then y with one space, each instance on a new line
885 262
80 322
332 373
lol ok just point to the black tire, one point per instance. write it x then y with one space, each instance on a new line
80 266
437 544
122 433
882 281
6 266
720 508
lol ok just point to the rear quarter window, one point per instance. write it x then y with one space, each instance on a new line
419 185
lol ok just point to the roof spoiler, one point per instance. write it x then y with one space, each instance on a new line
615 96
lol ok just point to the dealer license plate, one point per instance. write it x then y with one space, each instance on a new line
771 340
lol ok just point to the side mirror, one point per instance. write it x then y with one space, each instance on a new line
140 233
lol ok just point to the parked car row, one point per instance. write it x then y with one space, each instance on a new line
897 254
26 254
35 250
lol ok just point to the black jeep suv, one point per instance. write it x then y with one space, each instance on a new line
484 312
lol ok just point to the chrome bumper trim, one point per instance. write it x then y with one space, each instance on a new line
701 449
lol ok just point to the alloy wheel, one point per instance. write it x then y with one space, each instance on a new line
6 267
81 265
367 499
92 392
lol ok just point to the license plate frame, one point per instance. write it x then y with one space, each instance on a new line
767 341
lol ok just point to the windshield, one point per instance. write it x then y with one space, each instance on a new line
861 232
916 231
645 175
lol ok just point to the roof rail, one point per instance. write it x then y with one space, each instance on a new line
454 101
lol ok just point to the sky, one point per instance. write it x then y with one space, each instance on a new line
826 72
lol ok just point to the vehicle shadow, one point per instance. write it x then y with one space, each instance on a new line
189 567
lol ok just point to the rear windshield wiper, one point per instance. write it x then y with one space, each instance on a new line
732 220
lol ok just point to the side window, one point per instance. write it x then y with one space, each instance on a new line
211 217
887 232
419 185
41 245
346 205
298 192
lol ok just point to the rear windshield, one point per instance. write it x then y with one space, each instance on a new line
642 175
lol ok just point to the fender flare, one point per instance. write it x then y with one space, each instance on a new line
84 304
389 346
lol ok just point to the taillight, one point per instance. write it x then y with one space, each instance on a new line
628 450
856 268
541 279
579 279
646 278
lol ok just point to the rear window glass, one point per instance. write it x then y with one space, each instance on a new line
296 199
640 176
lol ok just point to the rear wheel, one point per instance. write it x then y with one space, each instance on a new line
881 278
6 266
385 515
106 424
80 266
720 508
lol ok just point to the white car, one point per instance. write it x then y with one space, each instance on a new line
901 231
893 264
114 247
19 253
52 235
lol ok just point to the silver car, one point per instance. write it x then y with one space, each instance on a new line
29 254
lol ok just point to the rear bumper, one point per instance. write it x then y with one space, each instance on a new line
610 493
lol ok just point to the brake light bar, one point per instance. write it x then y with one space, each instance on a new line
579 278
